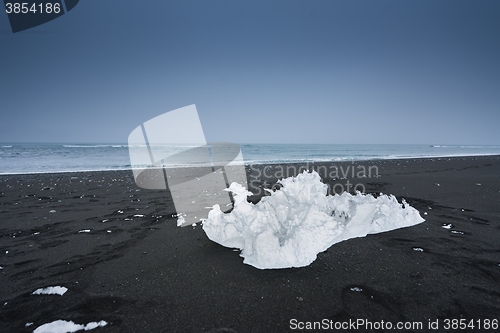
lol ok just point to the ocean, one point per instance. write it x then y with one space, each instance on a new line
20 158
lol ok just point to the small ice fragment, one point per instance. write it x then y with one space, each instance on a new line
180 220
52 211
36 233
1 267
457 232
109 231
120 211
425 213
437 184
356 289
138 215
103 221
84 230
447 226
478 184
63 326
418 249
57 290
28 324
6 252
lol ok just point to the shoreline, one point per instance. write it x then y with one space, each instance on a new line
271 163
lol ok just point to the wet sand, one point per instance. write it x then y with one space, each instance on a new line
117 249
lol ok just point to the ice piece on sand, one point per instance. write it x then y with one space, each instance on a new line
57 290
447 226
63 326
292 225
84 230
418 249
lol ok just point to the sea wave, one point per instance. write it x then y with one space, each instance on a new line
128 146
94 146
470 147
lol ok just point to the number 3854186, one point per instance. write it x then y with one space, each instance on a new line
25 8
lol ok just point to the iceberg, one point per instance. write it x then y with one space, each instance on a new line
296 222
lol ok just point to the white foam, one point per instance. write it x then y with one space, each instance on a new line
63 326
292 225
57 290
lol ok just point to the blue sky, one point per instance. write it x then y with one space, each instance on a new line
423 72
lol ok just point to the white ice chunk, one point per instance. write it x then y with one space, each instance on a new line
63 326
84 230
57 290
180 220
292 225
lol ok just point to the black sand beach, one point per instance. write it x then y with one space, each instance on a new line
139 272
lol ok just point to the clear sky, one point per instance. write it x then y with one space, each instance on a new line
291 71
